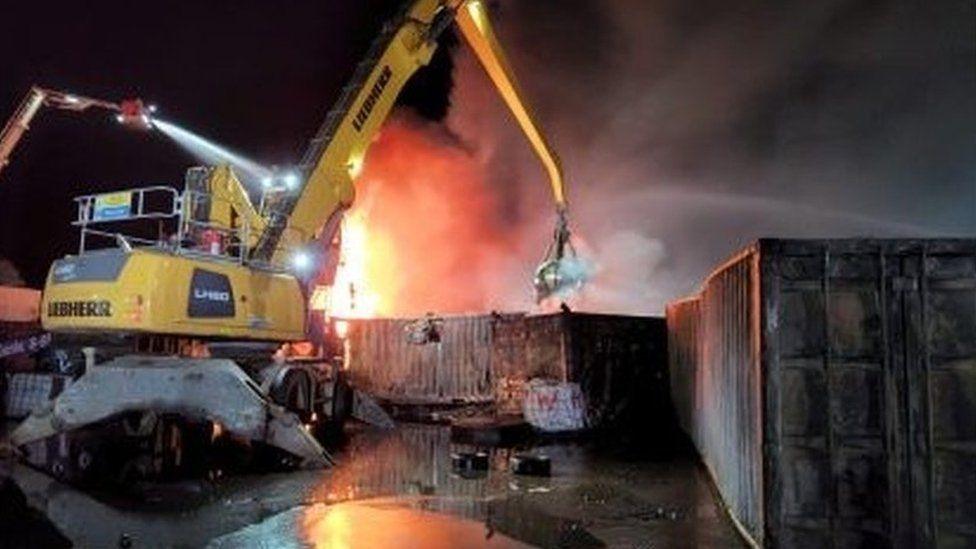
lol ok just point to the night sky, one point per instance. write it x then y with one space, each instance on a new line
258 77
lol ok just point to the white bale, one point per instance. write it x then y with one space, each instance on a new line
553 406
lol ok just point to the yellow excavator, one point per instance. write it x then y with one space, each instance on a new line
175 330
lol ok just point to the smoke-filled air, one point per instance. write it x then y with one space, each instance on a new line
685 133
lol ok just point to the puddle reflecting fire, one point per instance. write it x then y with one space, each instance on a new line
391 524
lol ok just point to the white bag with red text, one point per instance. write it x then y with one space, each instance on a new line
553 406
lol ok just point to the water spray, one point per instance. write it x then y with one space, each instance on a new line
212 153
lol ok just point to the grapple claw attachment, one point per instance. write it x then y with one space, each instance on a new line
561 271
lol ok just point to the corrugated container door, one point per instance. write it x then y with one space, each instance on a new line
942 375
831 394
869 384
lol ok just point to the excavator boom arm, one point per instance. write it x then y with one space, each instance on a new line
335 156
476 28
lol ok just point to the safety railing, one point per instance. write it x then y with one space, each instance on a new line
119 239
127 205
190 228
187 235
144 203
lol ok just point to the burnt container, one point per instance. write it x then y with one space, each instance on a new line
453 368
617 360
830 388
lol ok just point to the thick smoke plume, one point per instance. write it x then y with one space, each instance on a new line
688 130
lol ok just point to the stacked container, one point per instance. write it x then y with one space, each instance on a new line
830 387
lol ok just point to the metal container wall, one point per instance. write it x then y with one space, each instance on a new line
19 343
684 325
545 353
615 359
865 397
620 363
525 347
715 380
454 370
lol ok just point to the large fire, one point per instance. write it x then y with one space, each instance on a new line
423 234
353 295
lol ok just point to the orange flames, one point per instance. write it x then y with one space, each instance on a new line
424 233
354 293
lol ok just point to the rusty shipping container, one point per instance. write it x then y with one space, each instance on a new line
619 361
830 387
487 358
454 369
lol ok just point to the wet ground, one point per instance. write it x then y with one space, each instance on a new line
390 489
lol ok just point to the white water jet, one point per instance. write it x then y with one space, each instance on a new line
212 153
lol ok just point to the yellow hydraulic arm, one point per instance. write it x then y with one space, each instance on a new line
229 205
473 21
335 156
